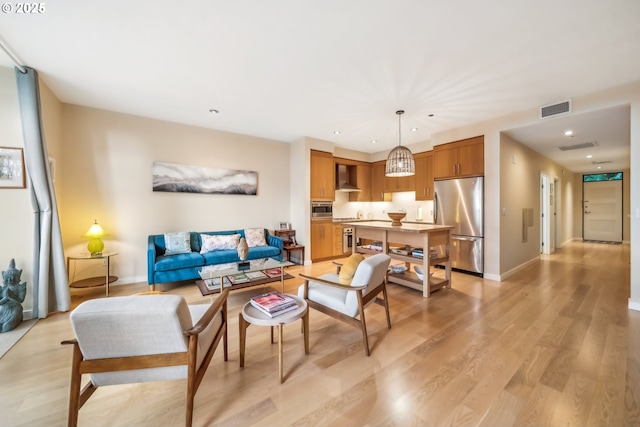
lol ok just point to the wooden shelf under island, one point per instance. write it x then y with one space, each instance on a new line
423 236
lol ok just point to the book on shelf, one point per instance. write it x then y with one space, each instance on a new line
256 275
273 272
239 278
273 302
214 283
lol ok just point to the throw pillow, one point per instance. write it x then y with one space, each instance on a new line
349 267
177 243
219 242
255 237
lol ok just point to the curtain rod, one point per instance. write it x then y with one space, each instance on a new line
13 57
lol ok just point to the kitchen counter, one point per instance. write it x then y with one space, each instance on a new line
415 235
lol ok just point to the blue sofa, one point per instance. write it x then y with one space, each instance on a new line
163 268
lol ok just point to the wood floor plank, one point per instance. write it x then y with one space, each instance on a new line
554 344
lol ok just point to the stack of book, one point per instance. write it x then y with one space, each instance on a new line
274 303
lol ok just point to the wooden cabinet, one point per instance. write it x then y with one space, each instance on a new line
397 184
337 239
321 240
322 176
459 159
424 175
377 183
363 182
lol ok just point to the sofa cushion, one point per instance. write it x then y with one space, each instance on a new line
218 242
177 243
174 262
255 237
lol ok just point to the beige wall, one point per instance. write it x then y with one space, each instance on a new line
16 217
108 161
520 169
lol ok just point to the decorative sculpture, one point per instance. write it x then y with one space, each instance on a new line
243 250
12 296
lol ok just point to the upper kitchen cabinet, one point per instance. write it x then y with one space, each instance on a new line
459 159
397 184
322 176
377 182
363 181
424 175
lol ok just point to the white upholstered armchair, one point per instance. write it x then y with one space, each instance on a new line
344 296
134 339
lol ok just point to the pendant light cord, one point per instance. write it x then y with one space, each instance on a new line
400 113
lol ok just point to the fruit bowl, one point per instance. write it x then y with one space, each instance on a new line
396 217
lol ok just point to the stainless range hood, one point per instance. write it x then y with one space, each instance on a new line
345 175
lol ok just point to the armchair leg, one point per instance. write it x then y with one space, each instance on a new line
74 392
386 306
363 324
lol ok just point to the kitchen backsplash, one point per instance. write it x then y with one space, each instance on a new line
343 208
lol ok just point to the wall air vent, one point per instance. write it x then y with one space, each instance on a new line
555 109
578 146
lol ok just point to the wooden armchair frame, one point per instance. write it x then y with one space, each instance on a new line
363 301
81 366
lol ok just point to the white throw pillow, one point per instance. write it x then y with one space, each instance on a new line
177 243
254 237
218 242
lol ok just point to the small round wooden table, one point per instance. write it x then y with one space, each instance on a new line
251 315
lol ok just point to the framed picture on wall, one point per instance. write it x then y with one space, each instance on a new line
284 226
12 168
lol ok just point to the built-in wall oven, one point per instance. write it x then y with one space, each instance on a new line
321 210
347 239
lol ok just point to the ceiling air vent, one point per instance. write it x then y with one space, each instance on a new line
600 163
555 109
578 146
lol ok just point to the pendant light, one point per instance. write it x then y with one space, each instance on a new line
400 161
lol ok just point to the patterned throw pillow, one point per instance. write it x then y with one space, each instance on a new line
255 237
177 243
218 242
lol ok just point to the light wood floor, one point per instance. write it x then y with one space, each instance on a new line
555 345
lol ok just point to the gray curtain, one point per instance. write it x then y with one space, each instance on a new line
50 285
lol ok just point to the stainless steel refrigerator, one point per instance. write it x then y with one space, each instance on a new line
460 202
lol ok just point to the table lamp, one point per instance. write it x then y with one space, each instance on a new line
95 232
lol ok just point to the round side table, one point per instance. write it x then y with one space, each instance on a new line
93 281
251 315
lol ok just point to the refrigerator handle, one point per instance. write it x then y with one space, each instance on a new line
467 239
435 207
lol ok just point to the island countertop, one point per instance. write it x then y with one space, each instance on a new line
405 227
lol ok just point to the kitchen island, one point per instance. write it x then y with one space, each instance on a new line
401 243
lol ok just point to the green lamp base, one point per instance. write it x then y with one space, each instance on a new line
95 246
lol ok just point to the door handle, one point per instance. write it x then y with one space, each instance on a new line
587 212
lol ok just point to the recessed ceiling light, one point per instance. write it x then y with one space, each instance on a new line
599 167
568 133
336 132
373 141
414 129
589 156
214 111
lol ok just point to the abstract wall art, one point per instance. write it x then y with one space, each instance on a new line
176 178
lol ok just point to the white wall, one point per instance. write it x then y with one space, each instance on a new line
16 214
108 161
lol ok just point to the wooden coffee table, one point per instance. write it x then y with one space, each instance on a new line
251 315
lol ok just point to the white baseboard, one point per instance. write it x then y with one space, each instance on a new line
27 314
494 277
518 268
634 305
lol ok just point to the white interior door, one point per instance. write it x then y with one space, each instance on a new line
602 211
545 217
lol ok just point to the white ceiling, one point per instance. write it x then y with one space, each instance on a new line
286 69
